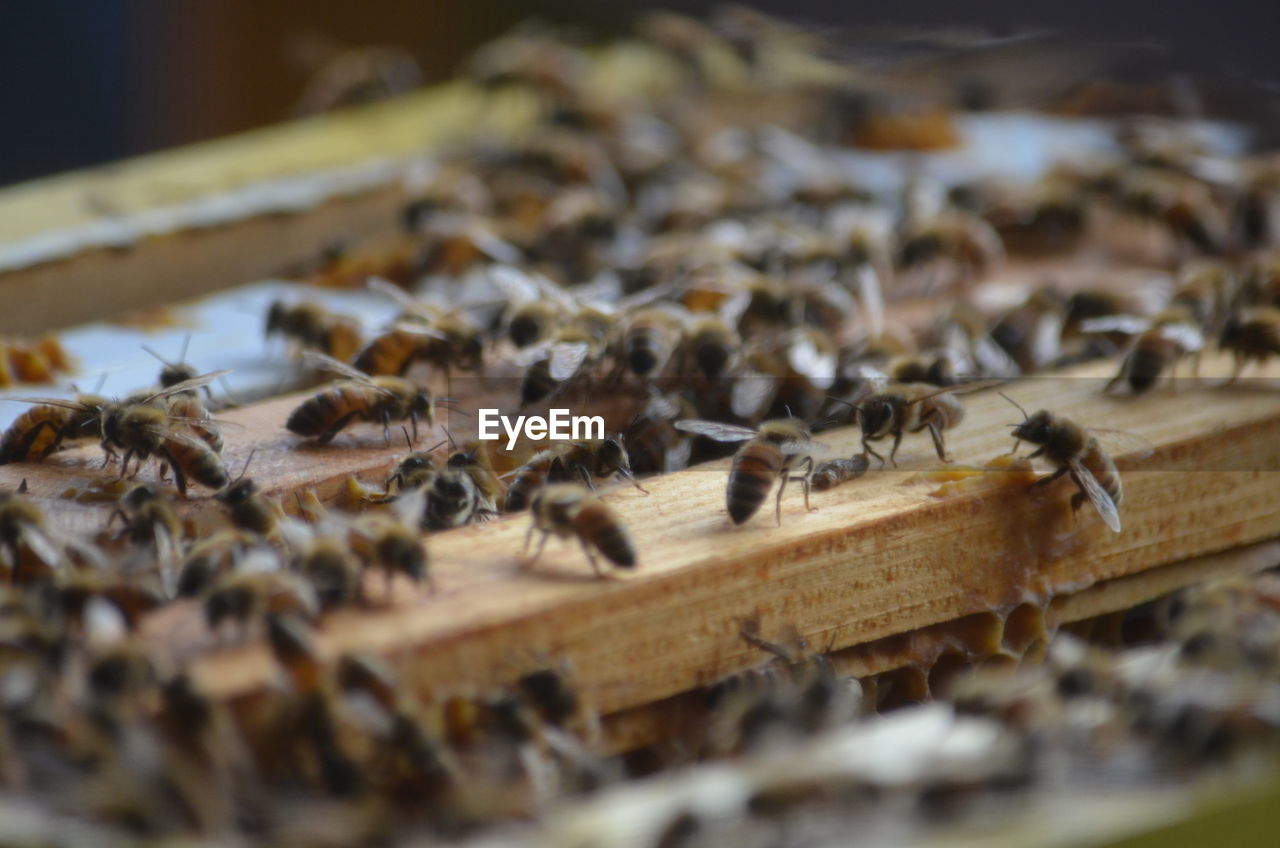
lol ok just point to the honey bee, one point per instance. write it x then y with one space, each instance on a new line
332 570
474 461
453 500
311 326
584 460
968 245
22 529
770 454
935 368
654 444
713 345
444 340
41 429
415 471
131 597
1078 453
908 409
249 509
835 472
1254 334
187 404
1260 283
148 518
651 338
1160 342
248 596
359 397
1182 206
559 363
390 545
1031 333
567 509
211 557
143 430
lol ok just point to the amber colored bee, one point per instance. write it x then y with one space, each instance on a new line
41 429
769 456
908 409
567 509
142 430
313 327
1076 452
293 645
834 472
148 517
359 397
530 478
1254 334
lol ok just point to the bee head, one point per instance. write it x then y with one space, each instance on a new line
141 495
1035 429
613 454
876 416
238 492
421 403
276 317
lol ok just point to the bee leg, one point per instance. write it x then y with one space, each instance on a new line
805 484
1044 481
937 442
542 543
1037 452
586 477
528 536
386 427
1016 444
1117 379
782 485
897 440
413 424
124 466
1240 362
178 478
591 557
867 449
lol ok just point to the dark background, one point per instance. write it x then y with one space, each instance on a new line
89 81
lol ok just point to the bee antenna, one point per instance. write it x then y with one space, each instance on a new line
158 357
102 381
452 443
186 343
408 441
1016 404
787 407
247 463
842 400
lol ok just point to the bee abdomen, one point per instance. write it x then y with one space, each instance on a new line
597 524
755 468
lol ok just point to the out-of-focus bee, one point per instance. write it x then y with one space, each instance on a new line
1254 334
331 568
1031 333
22 528
713 346
959 246
453 500
769 456
133 598
569 510
537 305
359 397
559 363
415 471
1050 217
148 519
247 596
247 507
1159 343
934 367
1207 291
387 543
835 472
444 340
211 557
1182 206
908 408
143 430
311 326
41 429
1075 451
654 444
585 460
473 460
651 337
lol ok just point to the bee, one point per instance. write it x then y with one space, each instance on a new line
311 326
1254 334
564 360
835 472
970 245
935 368
1031 333
22 529
1260 283
332 570
41 429
211 557
1076 452
908 409
651 338
713 346
359 397
249 509
655 445
1183 207
567 509
415 471
143 430
148 518
771 453
475 463
248 596
1160 342
568 462
453 500
386 543
421 334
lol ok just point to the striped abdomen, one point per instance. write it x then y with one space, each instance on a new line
317 414
1099 464
755 469
598 526
35 433
531 478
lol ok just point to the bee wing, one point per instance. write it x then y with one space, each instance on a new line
41 545
185 437
817 366
517 286
677 457
566 359
1131 446
660 406
717 430
1186 336
409 506
188 385
62 402
495 248
388 289
1046 338
1097 495
529 355
1129 324
324 362
871 296
417 330
751 393
992 359
805 447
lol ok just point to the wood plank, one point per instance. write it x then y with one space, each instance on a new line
879 557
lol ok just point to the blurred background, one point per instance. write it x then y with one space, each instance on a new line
90 81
